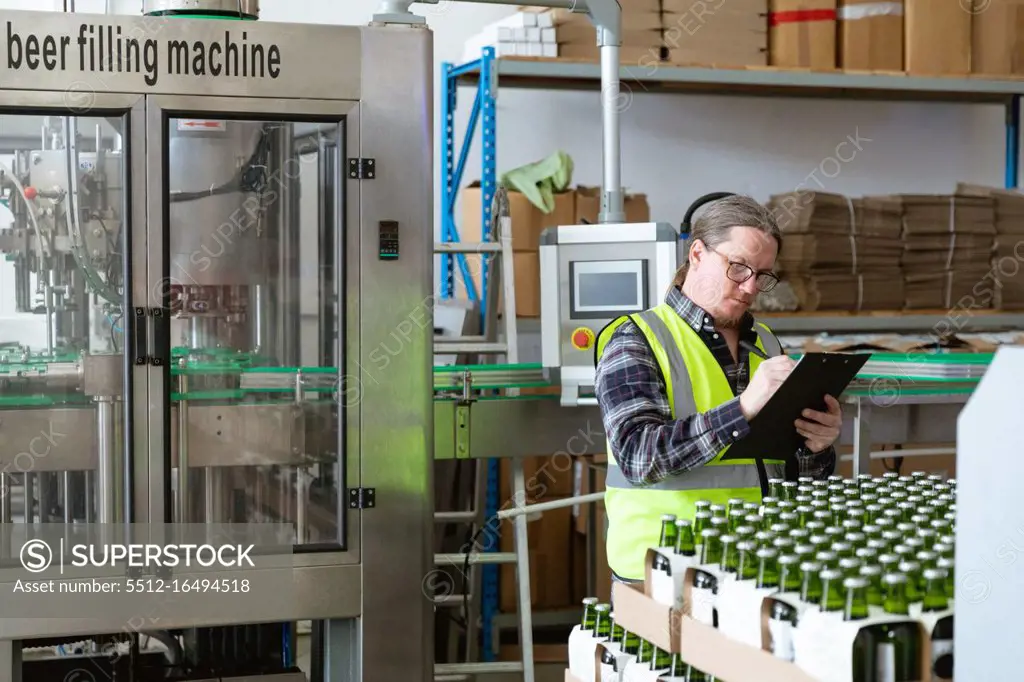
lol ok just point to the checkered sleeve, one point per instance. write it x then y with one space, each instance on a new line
647 443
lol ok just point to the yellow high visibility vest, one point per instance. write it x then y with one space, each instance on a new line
695 383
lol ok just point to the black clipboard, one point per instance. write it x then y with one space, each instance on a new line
772 433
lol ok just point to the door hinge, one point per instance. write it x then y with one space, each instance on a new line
362 498
362 169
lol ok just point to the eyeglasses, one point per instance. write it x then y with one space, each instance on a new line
740 273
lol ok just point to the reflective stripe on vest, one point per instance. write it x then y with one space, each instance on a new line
712 475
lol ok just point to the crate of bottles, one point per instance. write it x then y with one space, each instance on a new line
841 580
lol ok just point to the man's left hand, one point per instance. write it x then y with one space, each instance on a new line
821 429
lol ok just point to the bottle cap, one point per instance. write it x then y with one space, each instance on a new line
682 523
871 571
767 553
668 517
810 566
935 574
831 574
855 583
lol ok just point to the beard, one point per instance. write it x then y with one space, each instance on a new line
728 322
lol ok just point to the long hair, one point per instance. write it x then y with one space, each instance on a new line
716 221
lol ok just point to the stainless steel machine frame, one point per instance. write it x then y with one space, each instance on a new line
378 80
647 253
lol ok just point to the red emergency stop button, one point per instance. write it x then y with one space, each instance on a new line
582 339
31 193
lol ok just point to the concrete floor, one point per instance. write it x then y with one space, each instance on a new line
545 672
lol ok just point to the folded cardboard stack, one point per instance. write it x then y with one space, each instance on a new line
947 248
1007 273
641 35
840 253
722 34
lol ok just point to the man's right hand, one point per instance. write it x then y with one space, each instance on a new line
766 380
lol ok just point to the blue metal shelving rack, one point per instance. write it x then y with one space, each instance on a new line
482 115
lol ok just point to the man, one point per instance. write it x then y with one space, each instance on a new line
676 387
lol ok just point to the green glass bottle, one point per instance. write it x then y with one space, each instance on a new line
856 604
850 567
705 584
810 582
589 619
730 562
875 592
820 541
935 601
790 519
685 543
832 597
711 546
867 555
927 559
617 630
789 489
827 559
678 668
775 488
897 646
946 564
799 535
631 643
735 506
701 505
844 550
668 531
718 511
789 573
783 545
603 625
701 520
661 661
737 520
747 567
767 568
646 653
915 580
804 513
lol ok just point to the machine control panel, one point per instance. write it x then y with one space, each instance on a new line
583 338
388 240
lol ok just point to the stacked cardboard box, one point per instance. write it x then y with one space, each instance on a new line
948 242
996 47
724 34
870 35
803 33
524 34
641 34
575 207
1007 274
938 37
840 253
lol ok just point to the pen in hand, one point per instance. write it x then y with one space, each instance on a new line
751 348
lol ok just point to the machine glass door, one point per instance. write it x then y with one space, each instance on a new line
254 264
65 312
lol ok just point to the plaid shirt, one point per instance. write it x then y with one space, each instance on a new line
647 443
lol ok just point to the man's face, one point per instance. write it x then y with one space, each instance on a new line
718 293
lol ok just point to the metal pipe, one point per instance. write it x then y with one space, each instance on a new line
90 510
548 506
29 487
612 203
6 489
183 514
107 488
214 495
67 498
300 506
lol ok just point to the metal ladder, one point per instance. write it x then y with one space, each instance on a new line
501 280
